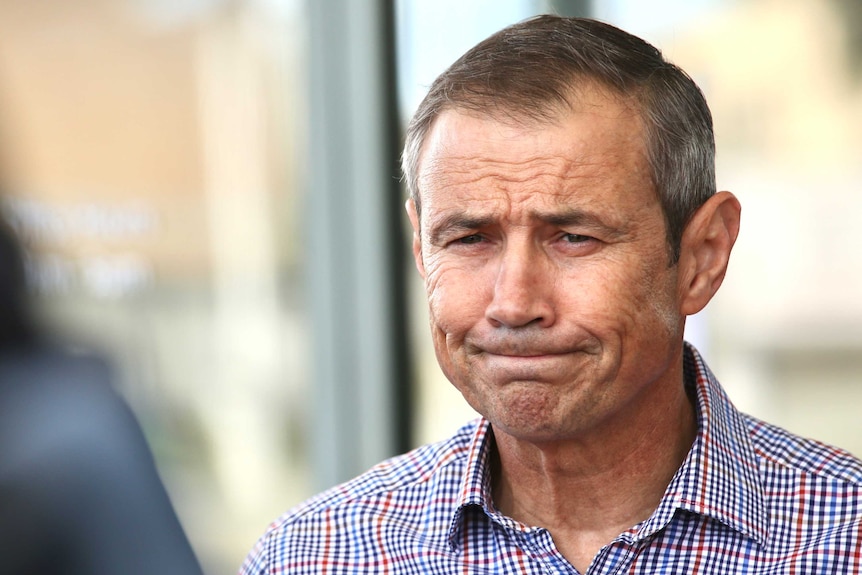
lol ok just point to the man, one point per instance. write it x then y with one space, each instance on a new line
565 219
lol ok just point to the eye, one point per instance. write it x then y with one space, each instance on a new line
572 244
576 238
471 239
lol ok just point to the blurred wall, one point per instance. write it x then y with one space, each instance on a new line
148 157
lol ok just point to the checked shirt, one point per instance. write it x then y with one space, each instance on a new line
749 498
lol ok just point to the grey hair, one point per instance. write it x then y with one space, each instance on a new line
531 71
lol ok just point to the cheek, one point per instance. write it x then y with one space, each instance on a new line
455 300
624 300
600 289
453 310
650 302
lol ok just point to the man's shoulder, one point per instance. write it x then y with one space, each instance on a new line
410 496
429 471
782 449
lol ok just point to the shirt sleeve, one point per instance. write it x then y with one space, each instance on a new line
256 562
79 490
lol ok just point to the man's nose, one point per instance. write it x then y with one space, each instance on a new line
523 289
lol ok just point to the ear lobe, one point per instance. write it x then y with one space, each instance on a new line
410 206
705 251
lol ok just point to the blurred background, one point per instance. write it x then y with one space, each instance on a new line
208 190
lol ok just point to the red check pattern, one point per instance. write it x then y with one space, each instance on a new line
750 498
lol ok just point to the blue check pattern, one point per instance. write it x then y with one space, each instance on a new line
749 498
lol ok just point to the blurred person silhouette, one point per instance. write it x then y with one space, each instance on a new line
79 490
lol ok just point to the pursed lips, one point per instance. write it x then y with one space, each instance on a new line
525 355
530 345
528 354
507 368
524 351
523 363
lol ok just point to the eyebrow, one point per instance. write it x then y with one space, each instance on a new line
453 223
456 222
580 218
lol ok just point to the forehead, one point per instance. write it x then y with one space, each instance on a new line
597 144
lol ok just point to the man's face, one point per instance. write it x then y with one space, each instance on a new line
552 305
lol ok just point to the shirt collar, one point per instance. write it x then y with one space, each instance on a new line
719 478
475 487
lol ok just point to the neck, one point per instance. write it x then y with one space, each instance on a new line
587 490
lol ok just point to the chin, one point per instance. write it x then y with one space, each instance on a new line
543 417
535 425
536 432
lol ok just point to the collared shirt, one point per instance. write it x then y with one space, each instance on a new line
749 498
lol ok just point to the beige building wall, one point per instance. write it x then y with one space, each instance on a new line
786 328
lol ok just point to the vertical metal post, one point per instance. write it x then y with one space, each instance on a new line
578 8
355 294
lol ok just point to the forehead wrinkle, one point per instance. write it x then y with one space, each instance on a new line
465 170
500 172
452 165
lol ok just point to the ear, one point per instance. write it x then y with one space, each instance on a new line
705 250
410 206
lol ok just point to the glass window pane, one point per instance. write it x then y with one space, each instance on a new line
148 156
